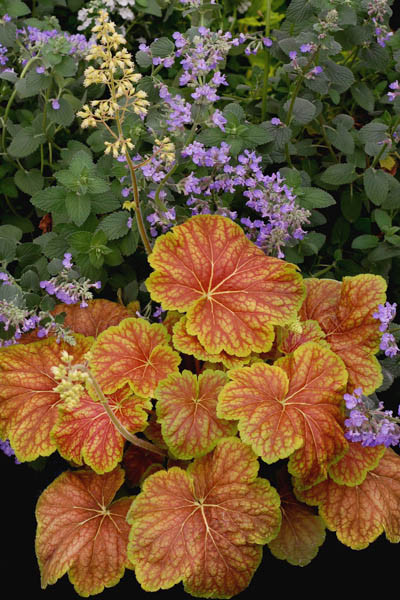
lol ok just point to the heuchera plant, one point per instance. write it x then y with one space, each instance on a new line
250 362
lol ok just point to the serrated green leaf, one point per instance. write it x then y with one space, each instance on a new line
365 242
303 110
29 182
16 8
25 142
341 139
340 77
62 116
315 198
81 241
299 11
129 242
382 219
78 208
312 243
373 132
363 96
375 185
32 84
162 47
67 67
55 247
234 110
211 137
339 174
96 185
143 59
383 252
115 225
50 199
104 203
30 280
255 135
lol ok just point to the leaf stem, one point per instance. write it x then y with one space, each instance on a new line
114 419
266 61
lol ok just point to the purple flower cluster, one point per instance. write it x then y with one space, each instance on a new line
20 320
163 217
166 61
377 10
5 447
386 313
281 219
67 290
396 90
370 425
178 111
3 58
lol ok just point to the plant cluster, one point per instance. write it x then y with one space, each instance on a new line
227 181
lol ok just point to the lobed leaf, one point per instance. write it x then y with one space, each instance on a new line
95 318
204 526
291 409
135 353
233 294
360 513
186 409
86 435
28 402
82 532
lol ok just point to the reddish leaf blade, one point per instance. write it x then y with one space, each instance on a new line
186 409
204 525
135 353
231 291
85 434
360 513
190 344
137 462
302 532
95 318
291 409
290 340
345 313
82 532
28 404
353 467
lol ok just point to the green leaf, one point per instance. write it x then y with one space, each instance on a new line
312 243
78 208
375 185
256 135
314 198
67 67
96 185
340 77
382 219
303 110
16 8
55 247
11 232
234 110
64 115
211 137
299 11
339 174
50 199
25 142
143 59
363 96
32 84
162 47
129 242
152 8
383 252
115 225
30 280
351 205
373 132
365 242
8 34
29 182
340 232
81 241
104 203
341 139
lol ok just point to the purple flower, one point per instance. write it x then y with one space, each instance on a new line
218 119
6 18
293 55
385 313
67 260
40 70
388 345
267 42
305 48
55 104
125 192
275 121
5 447
205 93
5 278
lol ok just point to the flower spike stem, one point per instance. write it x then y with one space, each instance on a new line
138 212
266 62
121 428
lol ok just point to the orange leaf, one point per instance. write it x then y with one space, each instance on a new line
204 526
28 404
302 532
353 467
190 344
82 532
231 291
360 513
95 318
133 352
289 340
344 311
186 409
86 433
291 409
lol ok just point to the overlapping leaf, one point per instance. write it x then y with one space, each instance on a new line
190 344
85 433
95 318
353 467
82 532
135 353
290 338
137 462
233 294
301 533
360 513
204 526
344 311
28 402
186 409
291 409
